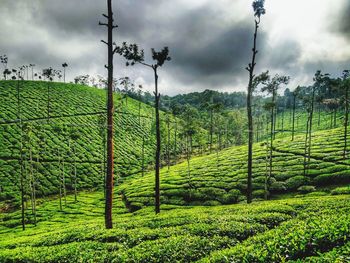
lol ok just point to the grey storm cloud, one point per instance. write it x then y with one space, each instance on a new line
285 55
218 55
217 61
343 20
210 47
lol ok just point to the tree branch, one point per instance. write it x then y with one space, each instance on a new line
104 42
102 24
145 64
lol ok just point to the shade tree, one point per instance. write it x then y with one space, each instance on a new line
126 87
134 55
64 66
259 10
271 87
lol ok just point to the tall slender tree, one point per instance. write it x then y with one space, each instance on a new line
271 88
133 55
32 68
168 121
28 131
259 10
308 96
295 96
126 88
110 111
102 133
346 88
175 110
4 61
48 74
64 65
139 96
19 116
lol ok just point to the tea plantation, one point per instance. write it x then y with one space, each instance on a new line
309 229
203 215
63 131
221 178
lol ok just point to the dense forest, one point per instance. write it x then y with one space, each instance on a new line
111 168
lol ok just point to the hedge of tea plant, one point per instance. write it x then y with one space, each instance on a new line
299 229
63 132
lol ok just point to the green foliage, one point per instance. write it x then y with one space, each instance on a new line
214 176
306 189
273 231
341 190
296 182
308 235
74 134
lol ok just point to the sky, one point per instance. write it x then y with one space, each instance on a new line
209 41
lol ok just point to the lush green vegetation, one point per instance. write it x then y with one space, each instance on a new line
67 133
307 229
71 136
311 228
220 178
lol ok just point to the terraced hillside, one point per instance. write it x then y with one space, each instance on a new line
221 178
291 230
63 132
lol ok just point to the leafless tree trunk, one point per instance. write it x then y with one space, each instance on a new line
175 141
110 110
60 178
293 120
346 120
168 143
143 155
157 179
250 69
64 182
75 174
21 155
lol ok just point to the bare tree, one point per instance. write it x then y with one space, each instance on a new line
259 10
102 133
133 55
295 95
28 134
19 116
346 87
139 95
110 111
308 97
271 88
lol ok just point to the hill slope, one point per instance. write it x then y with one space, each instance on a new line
221 178
64 129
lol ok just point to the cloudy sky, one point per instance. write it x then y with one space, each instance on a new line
209 41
